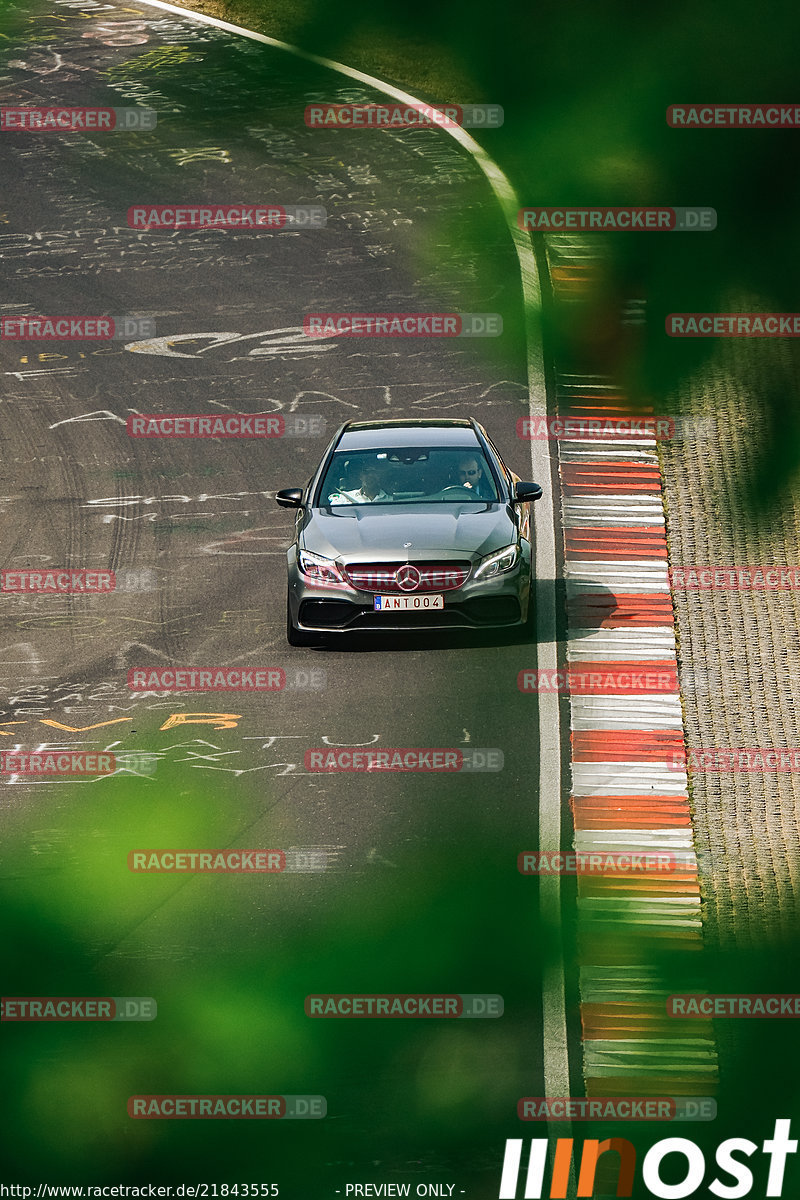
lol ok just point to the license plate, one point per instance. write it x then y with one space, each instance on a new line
406 603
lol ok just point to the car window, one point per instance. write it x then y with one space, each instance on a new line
407 475
501 463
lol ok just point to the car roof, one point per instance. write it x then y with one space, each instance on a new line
375 435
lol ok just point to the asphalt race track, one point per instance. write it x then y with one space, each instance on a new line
401 882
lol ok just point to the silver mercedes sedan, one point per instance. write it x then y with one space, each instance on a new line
409 525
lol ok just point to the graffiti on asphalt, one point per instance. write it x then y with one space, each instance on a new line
288 342
119 33
281 750
114 248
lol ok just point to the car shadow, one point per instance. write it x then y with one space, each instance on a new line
583 612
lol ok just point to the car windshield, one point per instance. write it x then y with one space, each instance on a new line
407 475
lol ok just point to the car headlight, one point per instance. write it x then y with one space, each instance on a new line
319 569
497 562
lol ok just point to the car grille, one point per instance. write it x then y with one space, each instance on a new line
433 577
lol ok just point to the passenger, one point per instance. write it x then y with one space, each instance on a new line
370 491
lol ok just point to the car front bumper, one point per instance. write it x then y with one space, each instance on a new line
501 602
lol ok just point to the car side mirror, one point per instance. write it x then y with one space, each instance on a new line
527 491
290 497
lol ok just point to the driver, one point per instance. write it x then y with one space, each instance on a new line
370 491
470 475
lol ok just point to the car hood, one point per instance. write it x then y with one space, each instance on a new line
380 533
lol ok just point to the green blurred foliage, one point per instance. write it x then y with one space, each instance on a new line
230 960
585 88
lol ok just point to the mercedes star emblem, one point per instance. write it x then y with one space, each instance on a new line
407 578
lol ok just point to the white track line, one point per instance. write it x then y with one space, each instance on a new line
554 1031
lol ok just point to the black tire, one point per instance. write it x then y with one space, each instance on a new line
527 631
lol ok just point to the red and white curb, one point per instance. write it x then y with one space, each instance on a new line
626 795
